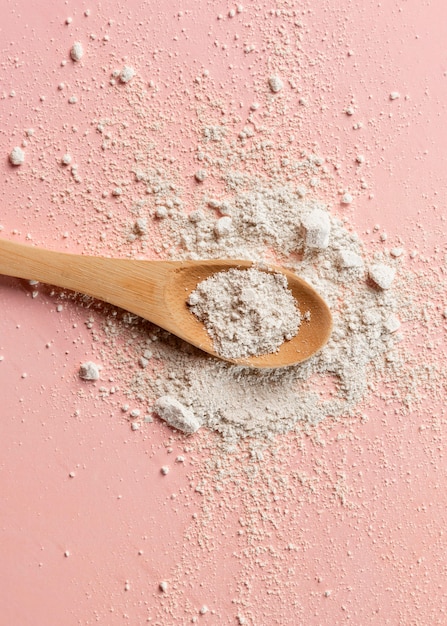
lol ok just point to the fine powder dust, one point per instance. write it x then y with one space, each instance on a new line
246 312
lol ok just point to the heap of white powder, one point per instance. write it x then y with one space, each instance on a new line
247 207
239 402
246 312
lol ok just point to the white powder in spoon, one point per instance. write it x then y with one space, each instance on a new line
246 312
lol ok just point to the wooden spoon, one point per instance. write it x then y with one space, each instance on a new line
158 291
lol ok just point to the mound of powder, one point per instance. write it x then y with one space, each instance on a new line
250 207
246 312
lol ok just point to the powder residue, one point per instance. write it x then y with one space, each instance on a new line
263 193
235 401
285 522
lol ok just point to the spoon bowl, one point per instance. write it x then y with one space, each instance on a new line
158 291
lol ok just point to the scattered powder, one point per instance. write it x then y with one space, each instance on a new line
267 189
261 191
256 205
77 51
246 312
266 214
17 156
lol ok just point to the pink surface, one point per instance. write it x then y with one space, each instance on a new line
345 526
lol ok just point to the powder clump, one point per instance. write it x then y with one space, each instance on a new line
126 74
275 83
246 312
16 156
77 51
382 275
350 260
89 371
222 227
176 414
317 228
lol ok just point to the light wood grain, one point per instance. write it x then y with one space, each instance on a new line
158 291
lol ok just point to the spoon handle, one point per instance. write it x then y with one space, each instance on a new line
134 285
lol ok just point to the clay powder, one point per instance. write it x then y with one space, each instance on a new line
246 312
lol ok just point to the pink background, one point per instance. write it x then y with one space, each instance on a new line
351 519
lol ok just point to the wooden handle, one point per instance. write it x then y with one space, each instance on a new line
158 290
137 286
